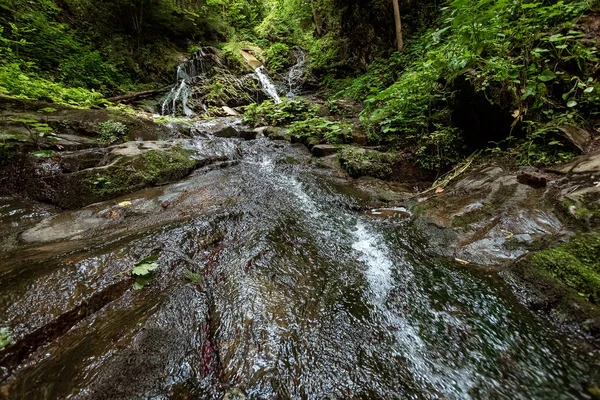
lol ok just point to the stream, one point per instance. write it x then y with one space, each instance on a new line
302 295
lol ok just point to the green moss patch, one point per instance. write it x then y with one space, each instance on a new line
149 169
575 264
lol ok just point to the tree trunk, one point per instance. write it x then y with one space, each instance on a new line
399 40
317 19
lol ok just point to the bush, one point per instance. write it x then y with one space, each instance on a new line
330 132
278 114
112 131
278 57
14 82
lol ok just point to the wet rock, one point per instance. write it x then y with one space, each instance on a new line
276 133
383 165
79 160
248 134
577 137
225 131
535 180
126 168
588 164
324 150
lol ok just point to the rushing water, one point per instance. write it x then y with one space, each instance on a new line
302 298
267 84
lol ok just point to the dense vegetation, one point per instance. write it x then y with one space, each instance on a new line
474 74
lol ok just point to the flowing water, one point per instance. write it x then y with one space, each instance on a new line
302 296
199 65
267 84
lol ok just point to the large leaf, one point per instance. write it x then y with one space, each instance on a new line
546 76
145 267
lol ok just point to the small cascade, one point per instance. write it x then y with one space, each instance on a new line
295 75
199 65
267 85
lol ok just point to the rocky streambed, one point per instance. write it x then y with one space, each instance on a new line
279 276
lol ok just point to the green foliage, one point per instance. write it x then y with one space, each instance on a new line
278 57
323 129
576 264
112 131
143 272
16 83
193 277
525 57
6 338
278 114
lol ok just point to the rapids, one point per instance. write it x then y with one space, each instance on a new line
304 296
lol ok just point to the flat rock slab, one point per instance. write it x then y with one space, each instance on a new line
324 150
588 164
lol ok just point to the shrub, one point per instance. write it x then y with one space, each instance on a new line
112 131
278 114
331 132
278 57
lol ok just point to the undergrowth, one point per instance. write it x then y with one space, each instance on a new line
531 59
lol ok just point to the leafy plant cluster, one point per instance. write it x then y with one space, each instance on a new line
277 114
278 57
323 129
528 58
6 338
18 83
112 131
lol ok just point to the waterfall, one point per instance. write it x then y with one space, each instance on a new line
199 65
267 85
296 73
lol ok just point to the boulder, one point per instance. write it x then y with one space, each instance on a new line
578 137
276 133
535 180
248 134
324 150
225 131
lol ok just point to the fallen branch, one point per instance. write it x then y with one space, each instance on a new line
127 98
443 181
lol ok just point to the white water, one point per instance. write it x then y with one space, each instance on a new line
267 85
296 73
186 72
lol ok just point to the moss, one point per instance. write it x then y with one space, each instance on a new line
359 162
575 264
151 168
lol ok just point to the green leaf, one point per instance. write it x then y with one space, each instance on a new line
144 269
142 281
589 89
571 104
546 76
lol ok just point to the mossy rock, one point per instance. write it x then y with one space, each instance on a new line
124 175
383 165
565 281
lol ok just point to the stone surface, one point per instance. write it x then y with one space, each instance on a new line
578 137
535 180
230 111
324 150
276 133
225 131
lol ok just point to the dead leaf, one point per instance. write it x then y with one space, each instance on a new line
125 204
439 190
516 113
463 262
